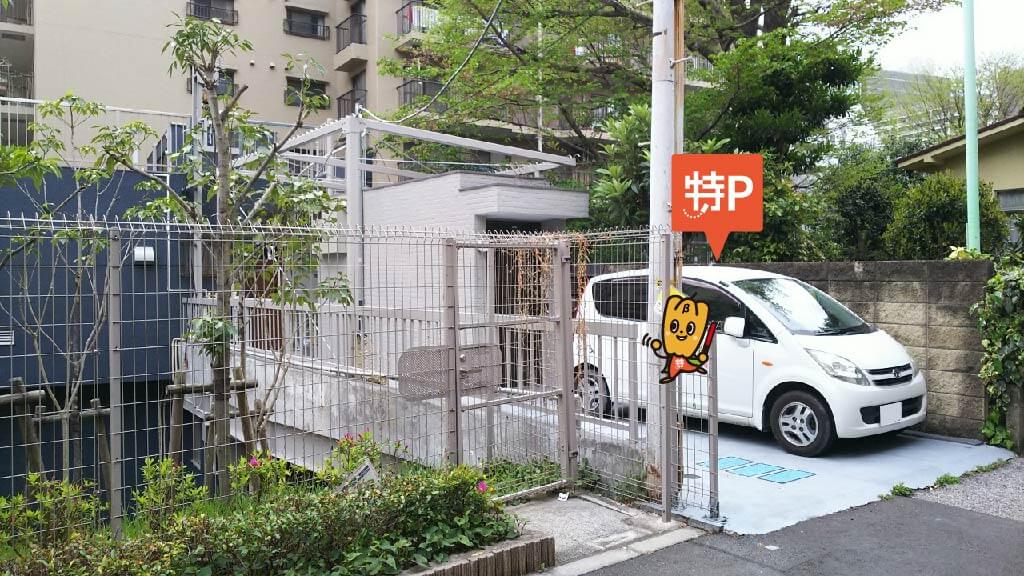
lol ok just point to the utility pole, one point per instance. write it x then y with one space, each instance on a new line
663 130
971 129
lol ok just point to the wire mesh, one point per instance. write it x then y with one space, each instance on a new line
127 341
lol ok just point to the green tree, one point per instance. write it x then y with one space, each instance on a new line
859 188
578 59
789 216
936 97
931 216
776 93
258 188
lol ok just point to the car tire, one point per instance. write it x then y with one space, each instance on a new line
592 391
802 424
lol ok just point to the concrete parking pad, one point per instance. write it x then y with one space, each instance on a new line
764 489
588 526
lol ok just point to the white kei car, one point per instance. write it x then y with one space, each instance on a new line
791 358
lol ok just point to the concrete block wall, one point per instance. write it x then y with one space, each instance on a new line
925 305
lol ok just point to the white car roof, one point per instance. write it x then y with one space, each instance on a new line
706 273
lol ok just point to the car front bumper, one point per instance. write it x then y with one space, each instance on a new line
856 410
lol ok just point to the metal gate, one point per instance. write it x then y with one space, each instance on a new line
507 324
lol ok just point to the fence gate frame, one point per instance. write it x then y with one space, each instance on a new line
560 320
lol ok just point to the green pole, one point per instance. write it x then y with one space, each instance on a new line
971 129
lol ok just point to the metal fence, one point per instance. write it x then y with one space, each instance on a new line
128 341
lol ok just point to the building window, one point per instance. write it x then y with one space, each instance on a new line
294 88
225 82
223 10
307 24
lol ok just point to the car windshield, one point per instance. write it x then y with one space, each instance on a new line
802 308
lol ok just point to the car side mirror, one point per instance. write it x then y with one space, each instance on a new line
734 326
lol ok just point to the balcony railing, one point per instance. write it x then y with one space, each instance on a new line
347 102
412 91
15 85
307 29
352 30
210 12
413 16
19 12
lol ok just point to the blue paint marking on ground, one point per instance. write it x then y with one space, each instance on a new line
757 469
728 463
751 469
784 476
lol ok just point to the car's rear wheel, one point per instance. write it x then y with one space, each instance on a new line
802 424
592 391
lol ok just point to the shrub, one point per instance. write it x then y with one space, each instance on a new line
380 528
169 490
931 216
902 489
260 474
56 512
349 454
506 476
1001 322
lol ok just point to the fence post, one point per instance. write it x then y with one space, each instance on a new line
669 470
713 431
569 441
116 402
450 319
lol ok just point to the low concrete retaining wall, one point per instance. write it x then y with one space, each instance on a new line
527 554
926 306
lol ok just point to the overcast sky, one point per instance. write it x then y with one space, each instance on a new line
936 39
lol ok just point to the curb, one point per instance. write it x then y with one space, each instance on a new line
627 552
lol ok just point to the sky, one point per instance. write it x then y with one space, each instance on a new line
935 40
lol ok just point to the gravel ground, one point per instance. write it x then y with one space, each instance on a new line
1000 492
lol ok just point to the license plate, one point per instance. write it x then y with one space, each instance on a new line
890 413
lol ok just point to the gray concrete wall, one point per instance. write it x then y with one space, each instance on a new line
926 306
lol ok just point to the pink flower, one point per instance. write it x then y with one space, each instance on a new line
254 462
348 436
481 486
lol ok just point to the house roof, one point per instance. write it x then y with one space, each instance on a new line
935 154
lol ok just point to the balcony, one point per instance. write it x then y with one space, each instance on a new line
352 51
15 85
19 12
204 11
347 102
307 29
414 20
419 92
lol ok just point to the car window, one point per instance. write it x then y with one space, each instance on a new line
802 308
756 329
622 298
720 304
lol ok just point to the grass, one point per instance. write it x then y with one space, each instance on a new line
986 468
901 490
946 480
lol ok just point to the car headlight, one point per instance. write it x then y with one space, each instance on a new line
838 367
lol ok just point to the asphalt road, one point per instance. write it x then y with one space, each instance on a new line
904 537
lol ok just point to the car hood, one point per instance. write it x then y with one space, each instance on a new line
868 351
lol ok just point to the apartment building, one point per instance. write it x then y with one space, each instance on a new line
111 51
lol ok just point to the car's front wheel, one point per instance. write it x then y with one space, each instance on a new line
802 424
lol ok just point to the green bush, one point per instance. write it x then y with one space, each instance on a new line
506 476
260 474
372 528
169 489
1001 322
347 455
931 216
55 513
